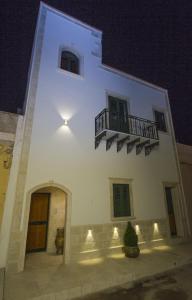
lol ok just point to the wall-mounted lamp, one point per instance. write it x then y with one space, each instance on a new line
65 122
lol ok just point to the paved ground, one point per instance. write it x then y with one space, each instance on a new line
46 278
175 285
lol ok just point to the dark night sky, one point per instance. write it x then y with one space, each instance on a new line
148 39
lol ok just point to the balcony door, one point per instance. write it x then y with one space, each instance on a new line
118 114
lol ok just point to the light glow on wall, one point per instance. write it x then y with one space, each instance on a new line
139 234
156 227
91 261
157 240
117 256
146 251
162 248
89 237
115 233
137 229
90 251
66 122
66 115
64 125
89 244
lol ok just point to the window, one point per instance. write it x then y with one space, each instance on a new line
69 62
160 120
121 200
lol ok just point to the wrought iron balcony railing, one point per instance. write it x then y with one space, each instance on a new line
130 124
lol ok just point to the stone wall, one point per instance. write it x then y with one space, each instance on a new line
94 240
5 160
56 215
8 122
185 158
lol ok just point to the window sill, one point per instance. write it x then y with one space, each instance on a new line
70 74
123 218
163 132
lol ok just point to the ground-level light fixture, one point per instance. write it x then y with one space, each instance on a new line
115 233
89 237
156 227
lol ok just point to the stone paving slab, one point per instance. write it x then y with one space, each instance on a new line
45 278
172 285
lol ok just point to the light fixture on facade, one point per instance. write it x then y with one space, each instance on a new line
66 122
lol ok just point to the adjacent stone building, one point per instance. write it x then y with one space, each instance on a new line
8 125
185 158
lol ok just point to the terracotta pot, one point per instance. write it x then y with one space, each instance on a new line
59 241
132 252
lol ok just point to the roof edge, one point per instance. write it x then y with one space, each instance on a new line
105 67
68 17
8 113
132 77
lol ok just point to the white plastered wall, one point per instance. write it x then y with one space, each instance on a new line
69 156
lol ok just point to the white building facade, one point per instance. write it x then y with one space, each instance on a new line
90 148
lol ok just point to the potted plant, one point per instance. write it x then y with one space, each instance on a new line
130 240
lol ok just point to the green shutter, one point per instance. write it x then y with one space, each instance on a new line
160 120
121 200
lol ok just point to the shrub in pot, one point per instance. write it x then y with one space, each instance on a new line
130 240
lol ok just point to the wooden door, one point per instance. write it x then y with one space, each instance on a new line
38 222
170 209
118 115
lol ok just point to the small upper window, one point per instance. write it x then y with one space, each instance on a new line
160 120
69 62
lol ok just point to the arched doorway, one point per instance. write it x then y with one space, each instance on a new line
49 207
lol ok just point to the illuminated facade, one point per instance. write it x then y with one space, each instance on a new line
90 149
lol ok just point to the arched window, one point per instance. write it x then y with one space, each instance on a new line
69 62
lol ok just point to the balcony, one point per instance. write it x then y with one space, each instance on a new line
129 130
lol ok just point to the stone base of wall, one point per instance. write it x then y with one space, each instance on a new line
92 241
99 241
